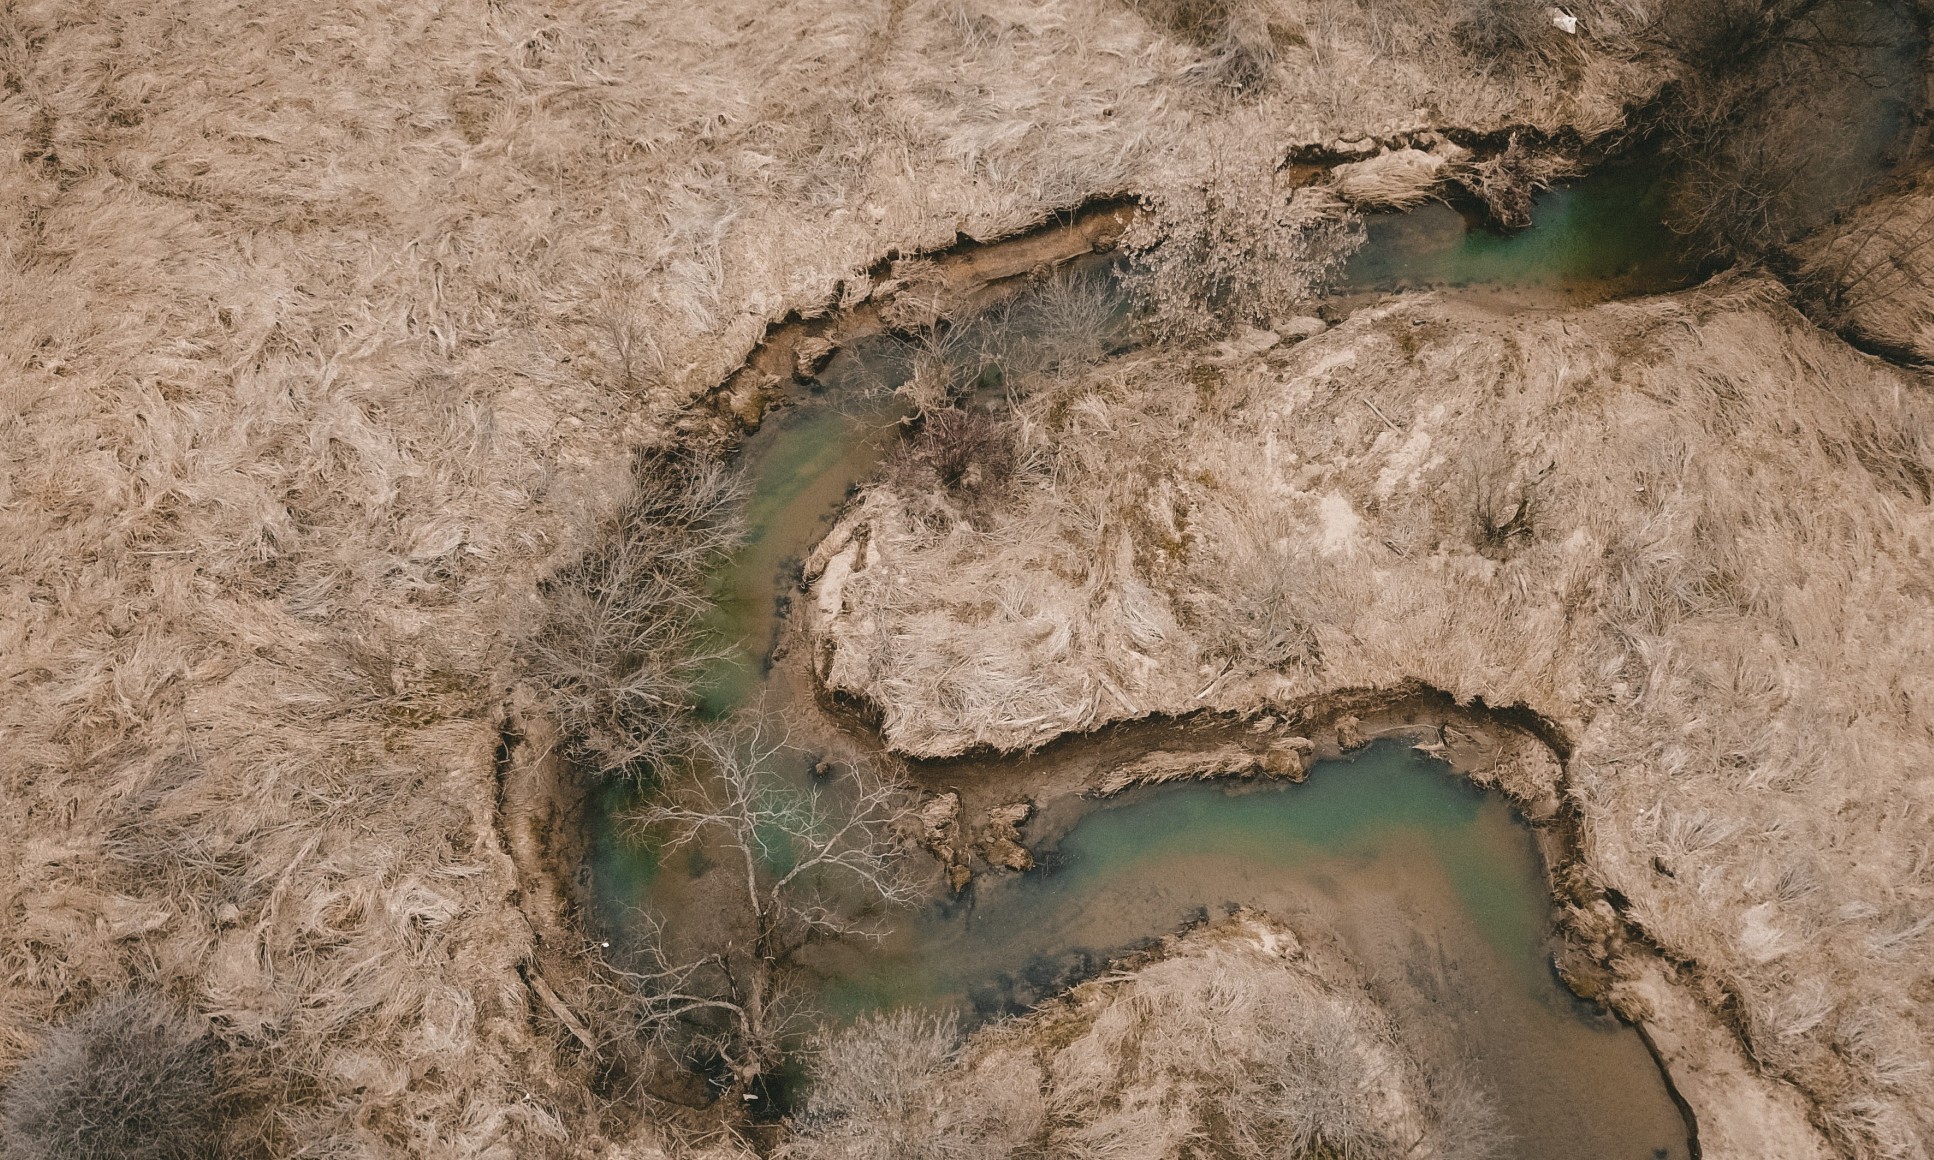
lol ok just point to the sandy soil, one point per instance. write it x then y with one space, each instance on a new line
1691 532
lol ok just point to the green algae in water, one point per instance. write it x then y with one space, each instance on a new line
1599 237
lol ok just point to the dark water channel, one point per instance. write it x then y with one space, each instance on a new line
1597 238
1434 888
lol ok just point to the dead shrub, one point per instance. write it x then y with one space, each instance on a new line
968 454
1771 121
1493 30
1507 182
1235 249
131 1078
1237 37
623 646
806 867
886 1089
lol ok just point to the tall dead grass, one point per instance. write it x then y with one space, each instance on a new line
327 334
1239 1043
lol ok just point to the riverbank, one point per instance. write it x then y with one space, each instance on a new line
1242 1034
328 347
1548 513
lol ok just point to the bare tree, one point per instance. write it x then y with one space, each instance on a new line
1772 94
623 647
810 864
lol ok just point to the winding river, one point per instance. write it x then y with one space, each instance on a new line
1435 888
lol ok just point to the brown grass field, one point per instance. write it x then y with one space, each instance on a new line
329 332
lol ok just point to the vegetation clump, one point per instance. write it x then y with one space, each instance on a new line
130 1078
624 644
1238 248
1237 1043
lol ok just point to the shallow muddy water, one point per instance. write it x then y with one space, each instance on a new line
1430 884
799 467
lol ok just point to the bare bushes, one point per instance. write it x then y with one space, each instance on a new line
1236 249
1256 609
1493 30
132 1078
795 866
1786 114
623 647
965 453
1872 275
1068 320
886 1089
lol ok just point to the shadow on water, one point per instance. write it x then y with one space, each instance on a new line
1600 237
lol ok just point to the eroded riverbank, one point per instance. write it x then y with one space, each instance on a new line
1218 748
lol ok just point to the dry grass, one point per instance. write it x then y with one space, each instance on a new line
1237 1043
1694 532
328 334
130 1079
1873 273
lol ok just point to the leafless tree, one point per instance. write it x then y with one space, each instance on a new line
1772 91
810 864
623 646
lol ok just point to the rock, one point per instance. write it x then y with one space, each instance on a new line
1244 346
1303 326
958 877
1007 854
1349 733
1002 846
811 356
1010 817
1285 762
940 826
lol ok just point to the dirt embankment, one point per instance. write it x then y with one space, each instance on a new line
1690 532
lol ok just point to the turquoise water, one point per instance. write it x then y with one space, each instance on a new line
1159 856
800 464
1603 236
1434 887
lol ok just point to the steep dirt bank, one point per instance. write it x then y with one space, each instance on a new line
1687 531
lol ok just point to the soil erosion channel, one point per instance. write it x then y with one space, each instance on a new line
1433 885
